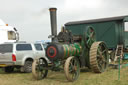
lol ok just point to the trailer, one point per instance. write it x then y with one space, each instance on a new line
110 30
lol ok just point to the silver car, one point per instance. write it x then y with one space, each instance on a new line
20 55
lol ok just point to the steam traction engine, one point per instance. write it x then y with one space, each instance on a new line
70 53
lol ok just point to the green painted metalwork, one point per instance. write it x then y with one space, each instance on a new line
72 49
88 38
78 49
66 49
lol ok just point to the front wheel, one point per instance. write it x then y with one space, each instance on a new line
72 68
39 70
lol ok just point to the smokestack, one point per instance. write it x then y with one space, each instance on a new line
53 24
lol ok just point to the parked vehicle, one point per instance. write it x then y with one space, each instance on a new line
8 33
20 55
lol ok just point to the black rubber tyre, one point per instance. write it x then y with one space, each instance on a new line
9 69
28 67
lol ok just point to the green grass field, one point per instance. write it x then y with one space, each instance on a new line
110 77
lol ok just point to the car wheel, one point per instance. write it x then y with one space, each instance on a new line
9 69
28 66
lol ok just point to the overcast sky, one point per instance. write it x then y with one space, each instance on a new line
31 17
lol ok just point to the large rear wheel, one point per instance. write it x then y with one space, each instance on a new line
99 57
39 70
72 68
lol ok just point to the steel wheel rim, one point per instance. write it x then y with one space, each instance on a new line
38 71
99 58
72 70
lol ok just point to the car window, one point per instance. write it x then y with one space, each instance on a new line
4 48
11 35
38 46
22 47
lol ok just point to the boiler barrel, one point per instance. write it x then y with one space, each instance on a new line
61 51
